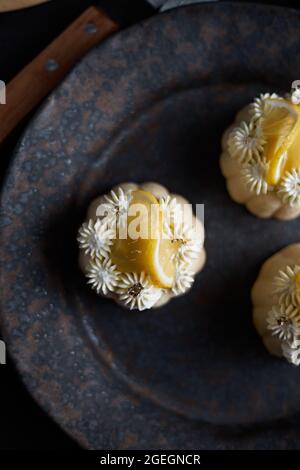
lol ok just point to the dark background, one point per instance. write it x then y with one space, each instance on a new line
23 34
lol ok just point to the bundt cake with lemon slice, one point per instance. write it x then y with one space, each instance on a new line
276 304
141 246
261 156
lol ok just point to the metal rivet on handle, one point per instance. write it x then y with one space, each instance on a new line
52 65
90 28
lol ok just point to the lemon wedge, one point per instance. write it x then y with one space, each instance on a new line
144 249
164 272
297 279
280 126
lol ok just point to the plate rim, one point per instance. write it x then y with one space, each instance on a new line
17 360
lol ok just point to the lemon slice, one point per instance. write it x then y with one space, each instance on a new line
153 254
297 279
164 266
280 125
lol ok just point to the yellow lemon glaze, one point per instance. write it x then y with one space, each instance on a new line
297 279
282 131
144 249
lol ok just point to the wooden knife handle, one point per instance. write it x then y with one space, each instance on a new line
11 5
41 75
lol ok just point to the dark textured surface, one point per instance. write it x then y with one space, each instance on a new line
23 34
193 374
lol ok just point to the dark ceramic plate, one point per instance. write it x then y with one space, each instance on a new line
150 104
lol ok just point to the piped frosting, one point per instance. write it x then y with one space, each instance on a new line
283 319
284 322
136 291
286 285
95 238
103 276
289 187
246 142
115 207
183 278
257 108
254 176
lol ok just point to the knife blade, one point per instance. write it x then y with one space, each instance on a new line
164 5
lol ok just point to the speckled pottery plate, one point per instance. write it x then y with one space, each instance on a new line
150 104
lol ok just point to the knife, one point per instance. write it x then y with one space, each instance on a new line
165 5
39 78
